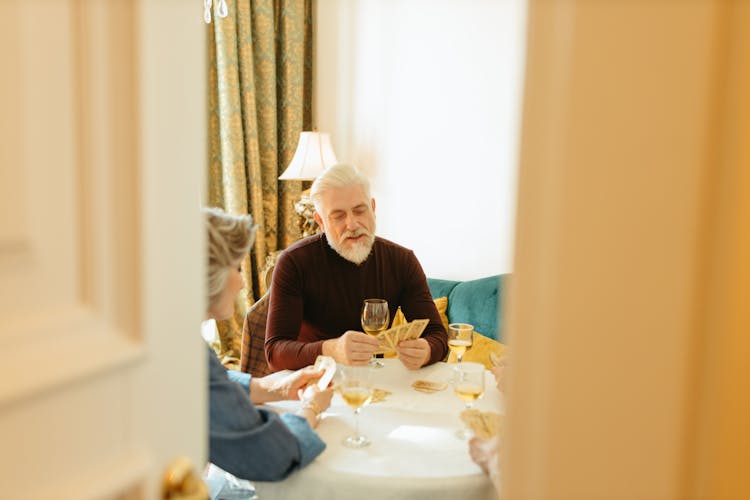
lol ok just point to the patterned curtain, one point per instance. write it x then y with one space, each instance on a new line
260 95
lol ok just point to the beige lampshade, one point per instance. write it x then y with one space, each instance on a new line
314 154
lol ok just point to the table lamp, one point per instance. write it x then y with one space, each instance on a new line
313 155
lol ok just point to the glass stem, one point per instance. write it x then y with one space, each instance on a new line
467 429
356 423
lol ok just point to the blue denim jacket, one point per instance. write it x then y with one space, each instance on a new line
253 443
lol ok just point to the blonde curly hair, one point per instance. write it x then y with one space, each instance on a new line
229 238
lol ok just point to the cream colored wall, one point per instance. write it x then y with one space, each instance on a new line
170 398
102 158
628 304
424 95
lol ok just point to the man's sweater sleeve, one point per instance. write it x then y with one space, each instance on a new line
285 310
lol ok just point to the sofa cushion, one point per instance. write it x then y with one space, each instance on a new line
474 301
441 288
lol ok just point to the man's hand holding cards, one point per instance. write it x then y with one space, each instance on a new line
390 338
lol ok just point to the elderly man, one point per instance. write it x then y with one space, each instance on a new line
320 282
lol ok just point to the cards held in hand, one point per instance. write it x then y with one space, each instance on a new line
328 365
484 424
390 338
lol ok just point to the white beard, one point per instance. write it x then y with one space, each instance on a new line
356 253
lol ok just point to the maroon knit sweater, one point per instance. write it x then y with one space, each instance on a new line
317 295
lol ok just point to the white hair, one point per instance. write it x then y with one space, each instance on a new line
229 238
338 176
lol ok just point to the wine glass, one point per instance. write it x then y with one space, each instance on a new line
468 386
356 389
460 338
375 318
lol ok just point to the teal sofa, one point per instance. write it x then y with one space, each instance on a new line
474 301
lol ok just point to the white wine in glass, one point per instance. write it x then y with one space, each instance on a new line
356 390
468 387
460 338
356 397
468 391
375 318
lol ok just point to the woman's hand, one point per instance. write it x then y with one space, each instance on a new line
486 454
289 386
499 371
273 388
314 402
314 396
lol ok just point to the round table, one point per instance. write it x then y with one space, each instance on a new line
415 453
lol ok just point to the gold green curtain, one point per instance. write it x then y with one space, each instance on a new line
260 96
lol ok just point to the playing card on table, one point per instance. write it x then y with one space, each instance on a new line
379 395
428 386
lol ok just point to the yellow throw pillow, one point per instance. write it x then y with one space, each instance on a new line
442 305
480 350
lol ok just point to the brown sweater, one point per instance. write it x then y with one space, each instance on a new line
317 295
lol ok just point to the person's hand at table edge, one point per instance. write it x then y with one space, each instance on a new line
267 389
352 348
486 454
314 402
413 354
498 369
288 387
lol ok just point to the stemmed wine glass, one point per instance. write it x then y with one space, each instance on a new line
356 388
375 318
460 338
468 386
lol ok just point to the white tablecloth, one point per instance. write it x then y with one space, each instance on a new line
414 454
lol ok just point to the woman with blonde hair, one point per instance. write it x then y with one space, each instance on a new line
249 442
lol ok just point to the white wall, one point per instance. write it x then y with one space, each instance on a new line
425 96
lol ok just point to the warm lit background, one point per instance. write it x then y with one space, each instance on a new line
425 96
628 315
